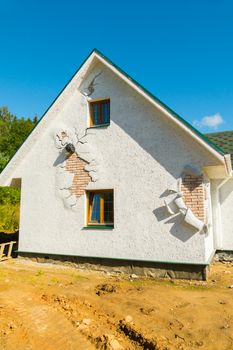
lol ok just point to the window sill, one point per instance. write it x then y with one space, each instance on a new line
99 126
98 227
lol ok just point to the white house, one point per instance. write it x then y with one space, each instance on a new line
113 177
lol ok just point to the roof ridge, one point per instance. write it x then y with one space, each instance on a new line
157 100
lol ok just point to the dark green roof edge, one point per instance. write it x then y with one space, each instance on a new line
51 104
156 99
224 139
198 133
219 133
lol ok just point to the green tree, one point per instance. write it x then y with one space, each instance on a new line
13 132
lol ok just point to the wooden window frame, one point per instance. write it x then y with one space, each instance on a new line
98 102
88 209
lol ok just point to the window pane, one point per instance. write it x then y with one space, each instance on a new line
106 112
95 109
95 207
108 207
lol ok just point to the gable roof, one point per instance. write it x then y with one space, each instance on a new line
158 101
96 54
224 140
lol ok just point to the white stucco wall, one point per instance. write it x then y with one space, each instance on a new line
226 212
142 153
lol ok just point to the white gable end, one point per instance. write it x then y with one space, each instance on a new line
78 83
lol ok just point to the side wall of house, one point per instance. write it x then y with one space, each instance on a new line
226 210
140 155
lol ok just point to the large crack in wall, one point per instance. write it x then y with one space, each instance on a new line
75 170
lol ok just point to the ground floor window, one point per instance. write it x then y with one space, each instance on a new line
100 207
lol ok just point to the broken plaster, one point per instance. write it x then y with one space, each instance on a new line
64 178
188 216
91 87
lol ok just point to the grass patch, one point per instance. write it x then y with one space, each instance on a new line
78 278
40 273
3 274
54 281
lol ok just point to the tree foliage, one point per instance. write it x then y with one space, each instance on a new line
9 218
9 209
13 132
9 195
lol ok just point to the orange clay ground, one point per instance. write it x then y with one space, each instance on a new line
56 307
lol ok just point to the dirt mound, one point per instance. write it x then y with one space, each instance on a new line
105 289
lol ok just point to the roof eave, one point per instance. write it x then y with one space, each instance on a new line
200 138
228 163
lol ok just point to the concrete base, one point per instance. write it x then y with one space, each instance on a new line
140 268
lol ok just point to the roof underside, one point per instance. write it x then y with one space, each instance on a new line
224 140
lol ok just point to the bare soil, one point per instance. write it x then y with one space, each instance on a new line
46 306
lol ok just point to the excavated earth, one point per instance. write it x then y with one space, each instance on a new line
57 307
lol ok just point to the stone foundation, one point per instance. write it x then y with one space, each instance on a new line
226 255
140 268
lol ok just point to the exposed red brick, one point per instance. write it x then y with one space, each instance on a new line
193 194
76 165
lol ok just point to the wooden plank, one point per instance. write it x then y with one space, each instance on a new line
10 249
5 258
2 247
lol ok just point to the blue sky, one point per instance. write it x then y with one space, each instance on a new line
182 51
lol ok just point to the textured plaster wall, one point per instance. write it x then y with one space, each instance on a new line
142 154
226 205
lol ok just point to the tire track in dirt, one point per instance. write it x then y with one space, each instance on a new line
102 329
43 327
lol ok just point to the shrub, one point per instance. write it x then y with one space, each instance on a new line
9 195
9 209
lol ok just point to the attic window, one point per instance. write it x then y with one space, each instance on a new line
100 113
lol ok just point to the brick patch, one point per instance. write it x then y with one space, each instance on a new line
193 194
75 165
